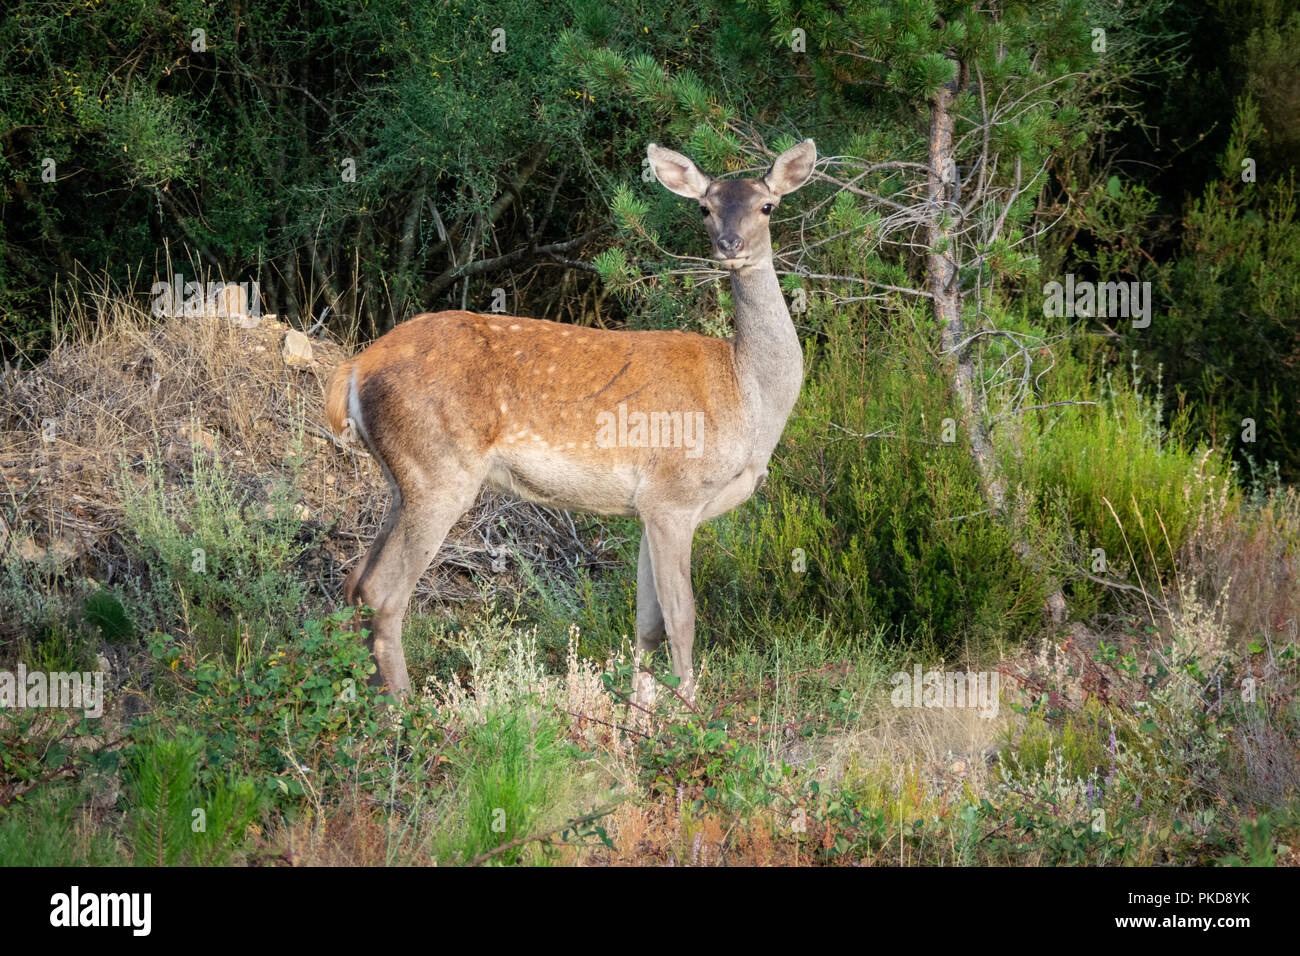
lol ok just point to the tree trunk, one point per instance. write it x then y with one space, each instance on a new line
944 217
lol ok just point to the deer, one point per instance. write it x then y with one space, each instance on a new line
672 427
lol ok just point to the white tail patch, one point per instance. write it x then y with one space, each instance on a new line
354 428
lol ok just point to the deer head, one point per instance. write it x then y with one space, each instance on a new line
737 212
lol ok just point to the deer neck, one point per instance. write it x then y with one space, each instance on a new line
769 361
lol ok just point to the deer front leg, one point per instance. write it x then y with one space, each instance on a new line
670 559
650 631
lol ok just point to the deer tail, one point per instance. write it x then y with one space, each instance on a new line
342 407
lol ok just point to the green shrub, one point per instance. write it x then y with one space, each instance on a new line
1081 740
221 559
509 768
1126 484
298 721
868 516
50 829
105 611
174 819
40 600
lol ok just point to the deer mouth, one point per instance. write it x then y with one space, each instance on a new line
731 263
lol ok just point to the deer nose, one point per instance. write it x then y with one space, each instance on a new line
730 242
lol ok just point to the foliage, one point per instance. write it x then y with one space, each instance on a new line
296 721
1228 342
219 554
501 145
176 821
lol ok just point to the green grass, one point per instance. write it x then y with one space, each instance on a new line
509 769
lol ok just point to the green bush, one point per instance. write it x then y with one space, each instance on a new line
509 767
174 819
297 721
221 559
50 829
1116 476
868 516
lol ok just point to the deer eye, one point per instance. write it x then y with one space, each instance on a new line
767 208
704 211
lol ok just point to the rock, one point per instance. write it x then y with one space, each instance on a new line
63 550
300 511
297 348
199 436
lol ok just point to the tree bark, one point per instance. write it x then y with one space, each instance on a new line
943 196
406 245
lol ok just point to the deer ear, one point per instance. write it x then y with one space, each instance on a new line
792 168
677 173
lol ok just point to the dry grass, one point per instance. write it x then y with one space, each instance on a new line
76 431
1248 562
667 833
345 836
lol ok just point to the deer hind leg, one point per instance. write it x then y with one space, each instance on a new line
362 567
417 527
670 537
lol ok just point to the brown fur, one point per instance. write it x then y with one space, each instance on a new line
485 384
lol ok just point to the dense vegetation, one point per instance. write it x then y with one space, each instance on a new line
362 162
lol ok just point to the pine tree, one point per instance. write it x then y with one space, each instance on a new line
1003 86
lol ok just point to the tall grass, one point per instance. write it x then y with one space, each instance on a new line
1122 481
